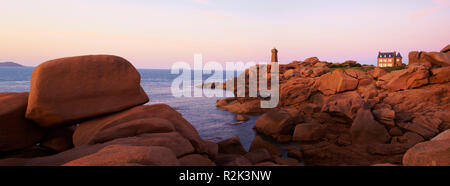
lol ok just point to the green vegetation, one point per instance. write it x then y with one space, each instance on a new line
390 69
345 66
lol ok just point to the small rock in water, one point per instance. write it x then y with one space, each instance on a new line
242 118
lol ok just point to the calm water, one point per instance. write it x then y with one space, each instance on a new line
202 112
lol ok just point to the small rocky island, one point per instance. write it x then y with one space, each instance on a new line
10 64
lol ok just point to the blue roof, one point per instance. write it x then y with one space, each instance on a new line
386 54
399 55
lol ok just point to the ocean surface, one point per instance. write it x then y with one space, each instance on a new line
210 121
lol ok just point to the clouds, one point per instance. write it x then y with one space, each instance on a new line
438 5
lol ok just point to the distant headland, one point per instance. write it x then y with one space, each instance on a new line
10 64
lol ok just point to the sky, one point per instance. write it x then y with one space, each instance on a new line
158 33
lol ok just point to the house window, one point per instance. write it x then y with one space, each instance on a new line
398 60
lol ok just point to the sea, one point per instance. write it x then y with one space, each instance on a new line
211 122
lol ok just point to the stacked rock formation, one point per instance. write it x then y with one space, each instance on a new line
359 116
88 110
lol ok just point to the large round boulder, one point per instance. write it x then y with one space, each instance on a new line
343 107
154 119
430 153
16 132
274 123
335 82
70 90
116 126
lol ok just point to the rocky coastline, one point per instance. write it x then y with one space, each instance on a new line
90 111
358 115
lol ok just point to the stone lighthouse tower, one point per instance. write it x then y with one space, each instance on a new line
274 55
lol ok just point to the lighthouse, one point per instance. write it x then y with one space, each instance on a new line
274 55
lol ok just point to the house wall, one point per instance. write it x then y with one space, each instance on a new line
389 62
386 62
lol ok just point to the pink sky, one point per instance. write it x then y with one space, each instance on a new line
157 34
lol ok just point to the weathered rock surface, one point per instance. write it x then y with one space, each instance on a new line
308 132
446 49
369 116
260 143
329 154
274 123
231 146
16 132
174 141
157 118
58 139
413 103
442 136
437 59
413 77
69 90
295 91
195 160
385 115
124 124
287 161
113 134
430 153
241 117
440 75
312 60
231 160
294 153
250 106
258 156
343 107
335 82
117 155
365 130
377 73
427 127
